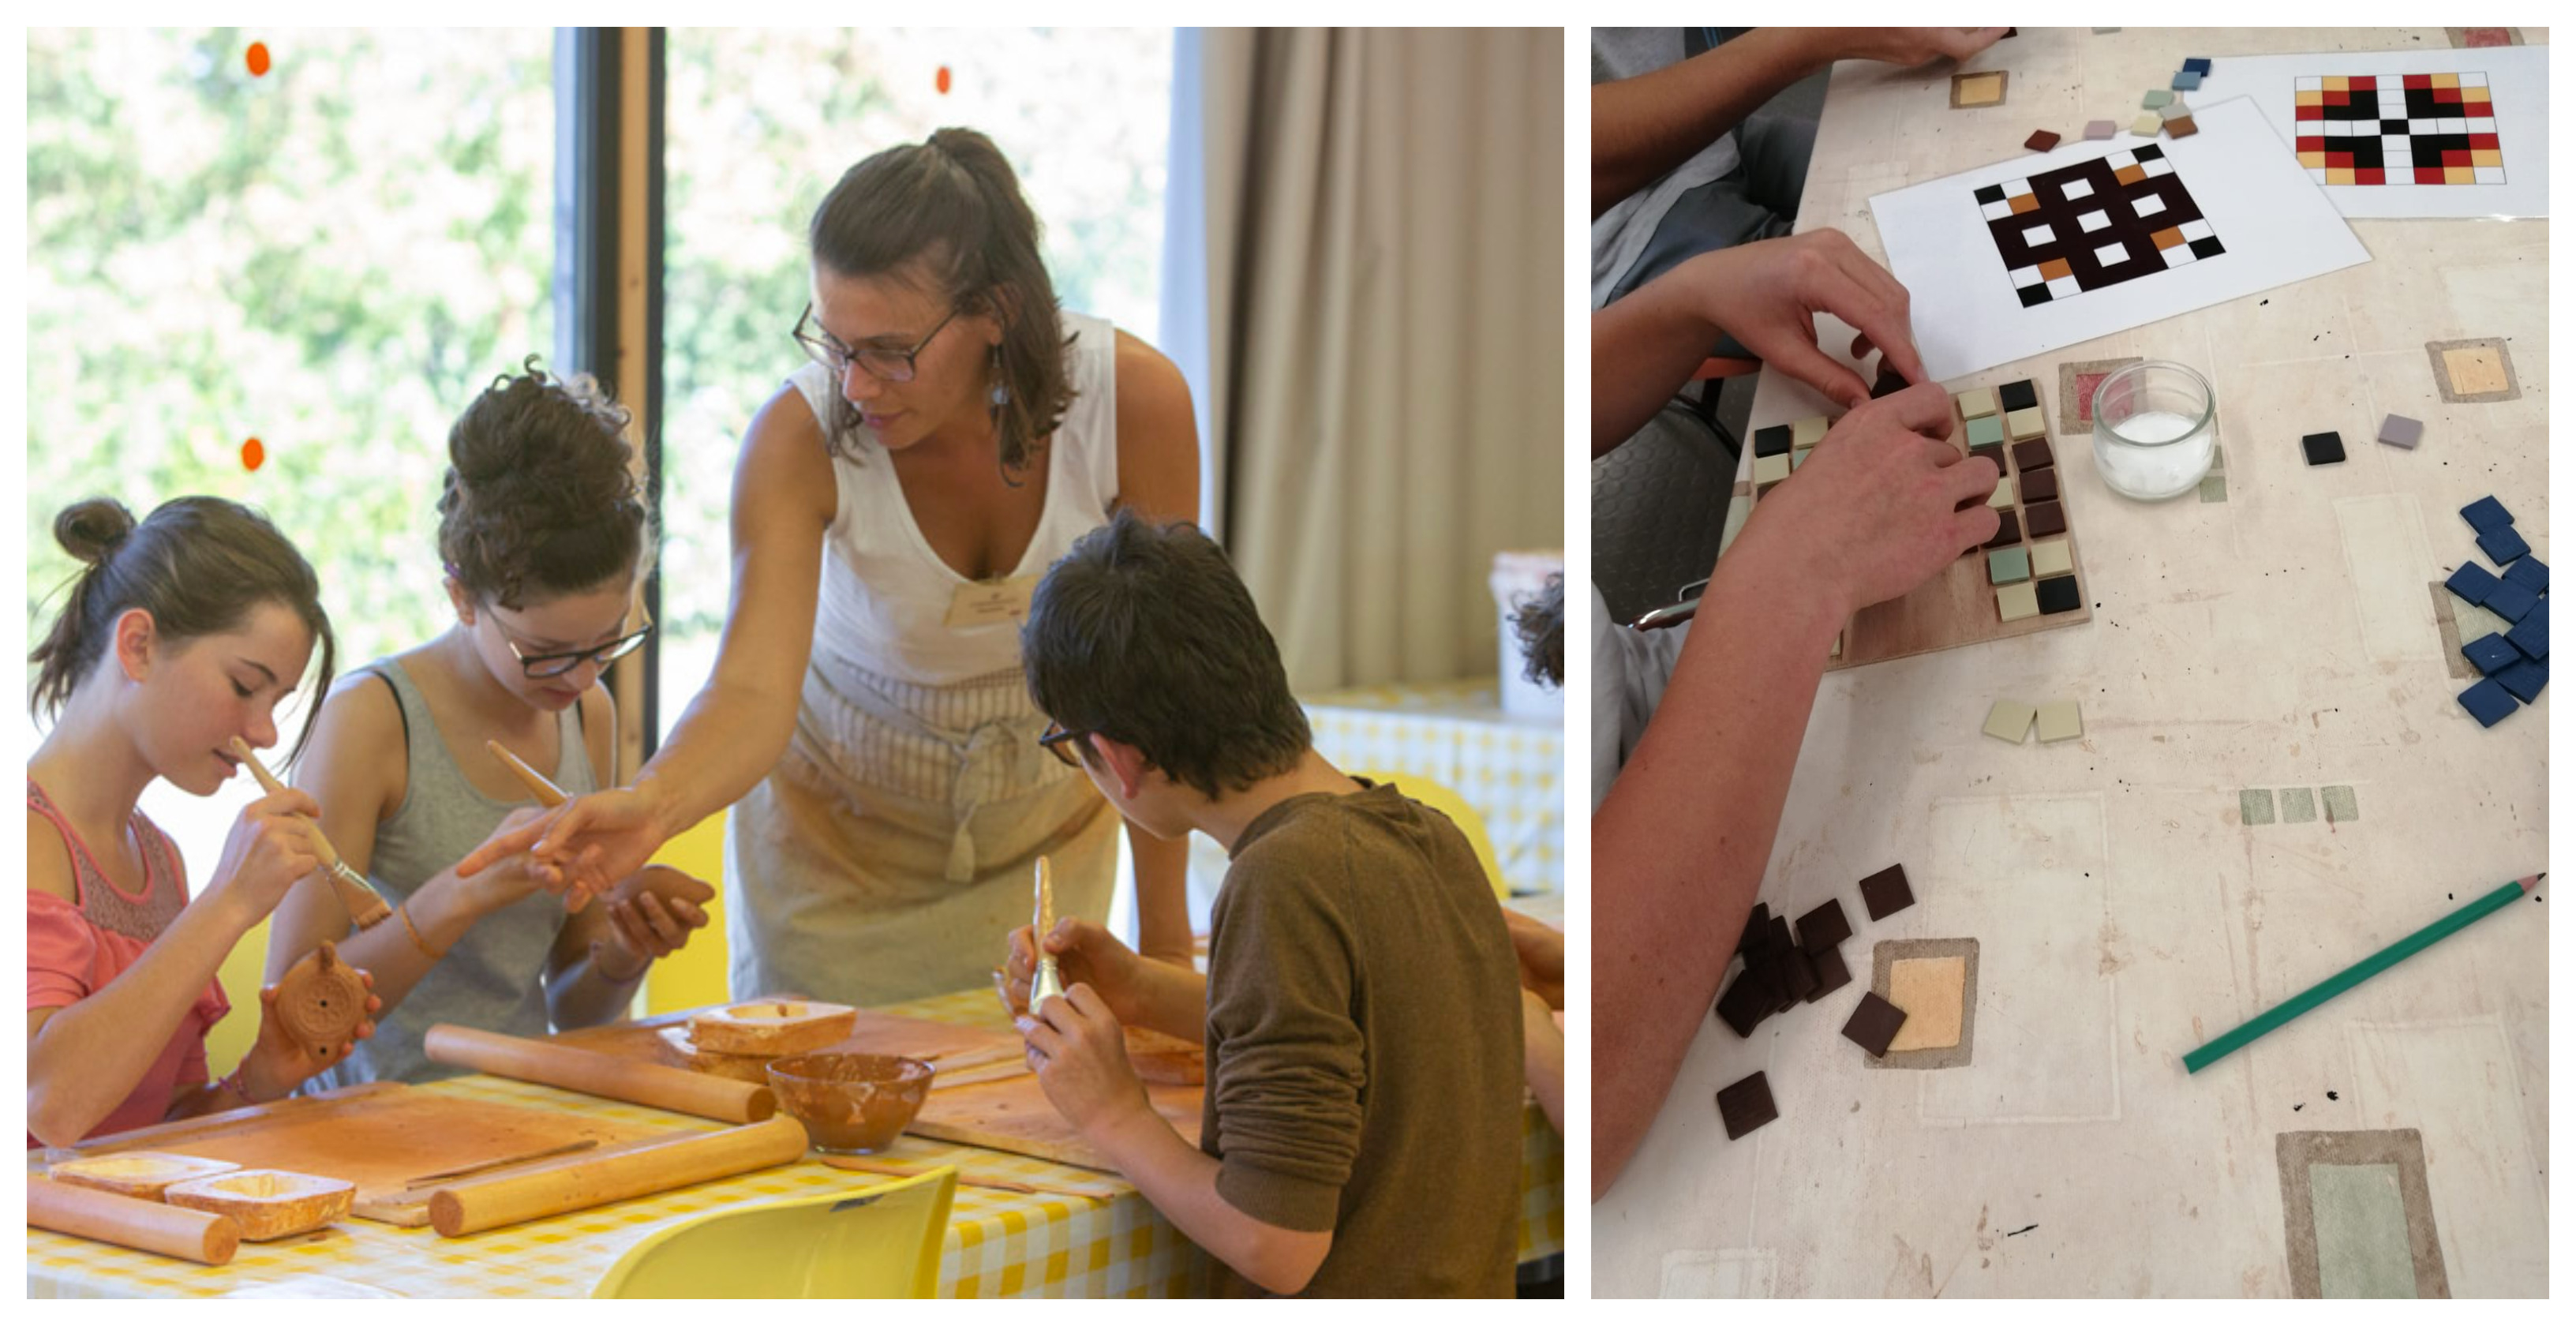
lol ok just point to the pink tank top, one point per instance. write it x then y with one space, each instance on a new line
75 948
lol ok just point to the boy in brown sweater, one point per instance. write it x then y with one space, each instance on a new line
1361 1007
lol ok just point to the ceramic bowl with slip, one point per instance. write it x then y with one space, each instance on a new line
851 1104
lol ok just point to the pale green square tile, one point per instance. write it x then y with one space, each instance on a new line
2007 566
2341 808
2298 805
2217 457
2362 1246
2060 720
2213 488
2157 99
2254 805
1986 430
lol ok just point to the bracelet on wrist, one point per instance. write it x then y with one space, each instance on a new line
417 940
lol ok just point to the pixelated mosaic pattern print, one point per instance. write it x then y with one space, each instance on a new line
2094 224
2399 129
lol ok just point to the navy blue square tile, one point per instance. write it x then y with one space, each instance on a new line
2502 544
2472 582
2525 679
2485 514
2491 653
2511 601
2196 65
2531 634
2487 702
2531 573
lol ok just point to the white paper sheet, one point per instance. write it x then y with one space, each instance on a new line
2517 80
2275 224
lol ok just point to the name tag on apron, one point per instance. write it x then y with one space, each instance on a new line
991 602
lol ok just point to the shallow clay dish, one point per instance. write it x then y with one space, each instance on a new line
137 1173
771 1027
268 1203
851 1104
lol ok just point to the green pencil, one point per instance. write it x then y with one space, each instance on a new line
2357 973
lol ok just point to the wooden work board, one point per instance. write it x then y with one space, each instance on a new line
385 1137
1957 606
999 1104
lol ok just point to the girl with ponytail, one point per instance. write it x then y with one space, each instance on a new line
951 435
179 635
544 534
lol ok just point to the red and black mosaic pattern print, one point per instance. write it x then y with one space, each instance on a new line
2398 129
2095 223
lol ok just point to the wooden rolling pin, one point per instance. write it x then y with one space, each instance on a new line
471 1208
131 1222
708 1097
366 907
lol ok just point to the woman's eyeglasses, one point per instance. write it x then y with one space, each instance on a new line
883 364
541 667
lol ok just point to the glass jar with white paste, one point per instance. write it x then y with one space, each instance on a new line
2155 427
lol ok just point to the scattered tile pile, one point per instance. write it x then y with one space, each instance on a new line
1782 970
2514 666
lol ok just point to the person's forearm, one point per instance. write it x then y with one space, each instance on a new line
88 1057
1680 843
1543 1054
724 744
582 995
1162 895
1645 126
1180 1181
1169 997
1644 349
441 910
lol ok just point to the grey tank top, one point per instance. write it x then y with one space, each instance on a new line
494 979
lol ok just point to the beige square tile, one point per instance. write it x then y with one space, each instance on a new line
2009 720
2015 602
2023 425
2003 498
1807 432
2475 370
1977 404
1770 469
1929 990
2051 557
2060 720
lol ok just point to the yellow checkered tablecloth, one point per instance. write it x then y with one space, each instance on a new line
1511 770
999 1244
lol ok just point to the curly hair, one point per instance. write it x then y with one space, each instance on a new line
1539 620
541 498
197 564
954 204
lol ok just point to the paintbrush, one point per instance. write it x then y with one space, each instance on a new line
2274 1018
541 787
1047 981
365 906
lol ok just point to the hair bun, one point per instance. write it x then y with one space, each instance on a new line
92 530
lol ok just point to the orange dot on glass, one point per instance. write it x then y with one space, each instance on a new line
253 454
257 58
943 80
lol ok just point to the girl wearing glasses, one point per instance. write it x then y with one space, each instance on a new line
894 505
543 532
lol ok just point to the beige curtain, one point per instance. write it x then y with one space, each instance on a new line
1385 278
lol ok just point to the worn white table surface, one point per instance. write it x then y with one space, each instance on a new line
2283 638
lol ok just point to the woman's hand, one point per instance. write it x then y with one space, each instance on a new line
273 844
651 914
277 1064
583 846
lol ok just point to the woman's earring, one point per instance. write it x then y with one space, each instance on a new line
1001 388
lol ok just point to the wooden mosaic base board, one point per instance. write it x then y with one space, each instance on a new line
1957 607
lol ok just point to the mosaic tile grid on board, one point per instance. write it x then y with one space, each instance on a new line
2095 224
2398 129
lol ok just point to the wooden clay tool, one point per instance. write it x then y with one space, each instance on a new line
539 786
580 1184
589 1071
366 906
1046 981
320 1002
132 1222
2281 1013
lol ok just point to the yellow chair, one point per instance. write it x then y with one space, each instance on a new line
698 975
876 1242
1454 806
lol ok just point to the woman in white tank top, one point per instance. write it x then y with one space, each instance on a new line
894 505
